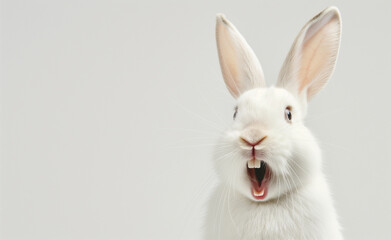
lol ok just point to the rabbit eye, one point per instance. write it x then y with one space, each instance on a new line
288 114
236 112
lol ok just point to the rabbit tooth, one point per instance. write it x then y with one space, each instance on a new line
254 163
251 163
259 194
257 163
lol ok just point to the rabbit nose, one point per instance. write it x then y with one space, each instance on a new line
252 137
253 142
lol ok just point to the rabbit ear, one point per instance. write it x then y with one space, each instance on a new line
312 57
239 65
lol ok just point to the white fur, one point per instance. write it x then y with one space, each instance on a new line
298 204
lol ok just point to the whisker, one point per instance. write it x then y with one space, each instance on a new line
206 121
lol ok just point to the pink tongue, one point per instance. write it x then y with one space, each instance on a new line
257 187
254 181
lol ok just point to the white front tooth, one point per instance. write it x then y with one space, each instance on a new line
250 163
257 163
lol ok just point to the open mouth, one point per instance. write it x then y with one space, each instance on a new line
259 175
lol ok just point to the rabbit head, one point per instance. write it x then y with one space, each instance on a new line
267 152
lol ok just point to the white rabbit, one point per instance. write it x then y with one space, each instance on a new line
268 163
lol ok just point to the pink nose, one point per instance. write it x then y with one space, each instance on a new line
252 143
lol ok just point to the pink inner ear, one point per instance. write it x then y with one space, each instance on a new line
241 68
228 59
318 54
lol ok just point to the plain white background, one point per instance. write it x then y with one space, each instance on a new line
110 111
